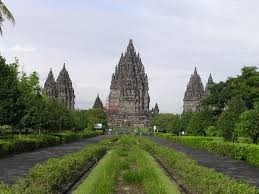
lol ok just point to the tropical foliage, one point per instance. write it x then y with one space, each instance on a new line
5 14
230 111
24 107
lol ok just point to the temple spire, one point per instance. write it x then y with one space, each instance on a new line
195 71
98 103
156 110
208 85
64 67
50 77
210 79
130 47
50 85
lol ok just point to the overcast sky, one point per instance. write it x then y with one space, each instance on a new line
172 36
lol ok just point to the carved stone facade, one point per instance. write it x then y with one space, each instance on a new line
195 93
61 89
128 102
98 103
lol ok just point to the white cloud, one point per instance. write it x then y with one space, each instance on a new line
172 37
19 49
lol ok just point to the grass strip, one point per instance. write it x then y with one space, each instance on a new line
102 178
238 151
195 177
127 169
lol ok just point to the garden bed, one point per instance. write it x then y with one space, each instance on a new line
24 143
239 151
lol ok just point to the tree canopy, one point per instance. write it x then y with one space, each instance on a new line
23 105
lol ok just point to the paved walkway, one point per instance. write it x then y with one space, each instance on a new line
236 169
18 165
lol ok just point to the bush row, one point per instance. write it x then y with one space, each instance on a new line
69 136
31 142
239 151
196 178
56 173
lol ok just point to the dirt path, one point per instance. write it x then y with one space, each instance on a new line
18 165
237 169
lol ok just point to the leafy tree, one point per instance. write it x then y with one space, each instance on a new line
163 122
200 121
228 119
175 125
80 119
95 116
249 124
244 85
167 122
33 118
5 14
211 131
184 120
11 105
217 98
32 100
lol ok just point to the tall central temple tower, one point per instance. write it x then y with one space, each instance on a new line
128 102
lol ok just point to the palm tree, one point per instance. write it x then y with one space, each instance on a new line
5 14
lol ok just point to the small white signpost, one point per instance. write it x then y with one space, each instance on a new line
98 126
155 129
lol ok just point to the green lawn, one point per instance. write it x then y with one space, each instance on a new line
127 169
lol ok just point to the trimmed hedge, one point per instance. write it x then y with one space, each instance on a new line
56 173
196 178
23 144
239 151
32 142
69 136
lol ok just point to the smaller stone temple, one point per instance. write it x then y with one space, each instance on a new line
155 110
61 89
195 93
98 103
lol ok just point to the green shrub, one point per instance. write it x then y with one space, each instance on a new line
239 151
67 136
4 189
90 133
196 178
21 144
244 140
32 142
54 174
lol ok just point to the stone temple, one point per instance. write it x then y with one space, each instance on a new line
61 89
98 103
195 93
128 102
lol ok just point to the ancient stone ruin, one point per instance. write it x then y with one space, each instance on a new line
128 102
98 103
61 89
195 93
